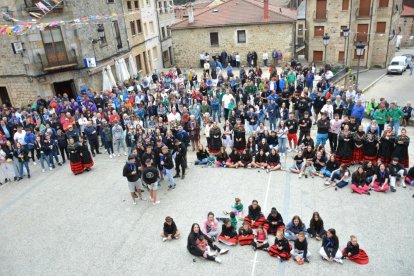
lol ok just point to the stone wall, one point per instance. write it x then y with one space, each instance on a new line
407 25
188 44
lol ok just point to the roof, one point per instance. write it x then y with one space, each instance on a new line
407 11
237 12
302 10
408 3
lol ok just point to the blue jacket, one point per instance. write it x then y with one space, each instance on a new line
30 140
272 111
89 133
358 112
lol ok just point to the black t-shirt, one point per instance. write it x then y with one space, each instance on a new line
150 175
298 159
308 123
294 124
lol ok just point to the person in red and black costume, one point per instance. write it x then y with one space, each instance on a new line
274 222
281 249
371 145
228 234
255 218
246 235
386 146
344 149
357 150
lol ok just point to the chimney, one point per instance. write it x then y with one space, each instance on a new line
266 10
190 13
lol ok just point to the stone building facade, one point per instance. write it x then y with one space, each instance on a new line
166 18
374 22
407 24
211 33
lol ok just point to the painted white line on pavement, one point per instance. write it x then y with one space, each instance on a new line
264 208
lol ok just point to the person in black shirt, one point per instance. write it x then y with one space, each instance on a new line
273 161
330 244
180 158
167 166
255 217
354 253
169 231
320 101
305 125
316 229
274 222
300 251
298 165
228 234
260 160
292 125
150 177
323 128
132 172
281 249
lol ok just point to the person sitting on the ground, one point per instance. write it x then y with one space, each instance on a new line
260 160
354 253
260 239
294 227
298 164
329 250
234 160
316 229
359 182
281 249
194 235
273 161
255 216
245 234
246 159
202 156
340 177
380 181
409 179
397 172
170 231
210 226
221 158
237 208
330 166
300 252
274 222
228 234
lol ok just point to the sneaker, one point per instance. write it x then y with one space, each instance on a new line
174 186
43 170
300 175
164 239
404 186
306 175
50 168
134 202
327 183
169 187
59 164
321 174
182 176
156 202
119 155
34 163
217 260
110 156
393 189
125 153
142 198
223 251
336 188
339 261
267 170
225 213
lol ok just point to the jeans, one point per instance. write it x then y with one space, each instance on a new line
252 128
109 146
53 154
325 172
265 62
201 162
26 165
272 123
340 184
169 174
43 158
214 113
282 144
120 143
396 126
321 138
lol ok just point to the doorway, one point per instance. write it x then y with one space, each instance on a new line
4 96
67 87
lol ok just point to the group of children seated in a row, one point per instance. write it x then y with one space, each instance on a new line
255 231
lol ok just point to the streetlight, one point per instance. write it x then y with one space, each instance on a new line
101 35
325 38
345 32
360 48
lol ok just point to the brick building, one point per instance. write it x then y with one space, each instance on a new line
374 22
234 26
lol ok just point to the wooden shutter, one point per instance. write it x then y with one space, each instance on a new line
319 31
321 9
381 27
345 5
317 56
362 32
383 3
341 56
364 8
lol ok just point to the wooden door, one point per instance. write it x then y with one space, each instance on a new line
321 9
317 56
364 8
362 32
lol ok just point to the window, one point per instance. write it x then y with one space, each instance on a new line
345 5
364 8
152 27
117 35
168 31
362 32
138 62
241 36
317 56
165 7
54 46
342 27
155 52
383 3
162 32
319 31
214 39
165 56
136 5
381 27
321 9
129 5
300 30
160 7
139 27
148 2
133 31
341 56
171 6
111 1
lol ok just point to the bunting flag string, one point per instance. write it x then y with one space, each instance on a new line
21 27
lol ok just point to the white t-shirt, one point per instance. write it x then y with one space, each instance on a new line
265 56
238 57
226 100
20 137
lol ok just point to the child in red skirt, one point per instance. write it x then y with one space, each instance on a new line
354 253
281 249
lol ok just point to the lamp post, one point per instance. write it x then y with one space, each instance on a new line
360 48
101 35
345 32
325 38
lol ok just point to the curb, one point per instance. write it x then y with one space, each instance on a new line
374 82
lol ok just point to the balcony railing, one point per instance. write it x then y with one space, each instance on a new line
31 7
57 61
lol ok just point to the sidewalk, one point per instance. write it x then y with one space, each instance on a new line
368 78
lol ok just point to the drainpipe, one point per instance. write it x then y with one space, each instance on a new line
126 31
348 38
369 34
159 36
389 33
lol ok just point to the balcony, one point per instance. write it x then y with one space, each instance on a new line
57 61
31 7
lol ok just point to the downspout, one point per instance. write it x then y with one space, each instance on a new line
159 35
369 33
126 31
389 33
349 37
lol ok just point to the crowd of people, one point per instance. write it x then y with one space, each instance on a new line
291 240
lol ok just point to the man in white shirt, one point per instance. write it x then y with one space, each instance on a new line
19 135
225 102
237 60
265 59
202 59
350 93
